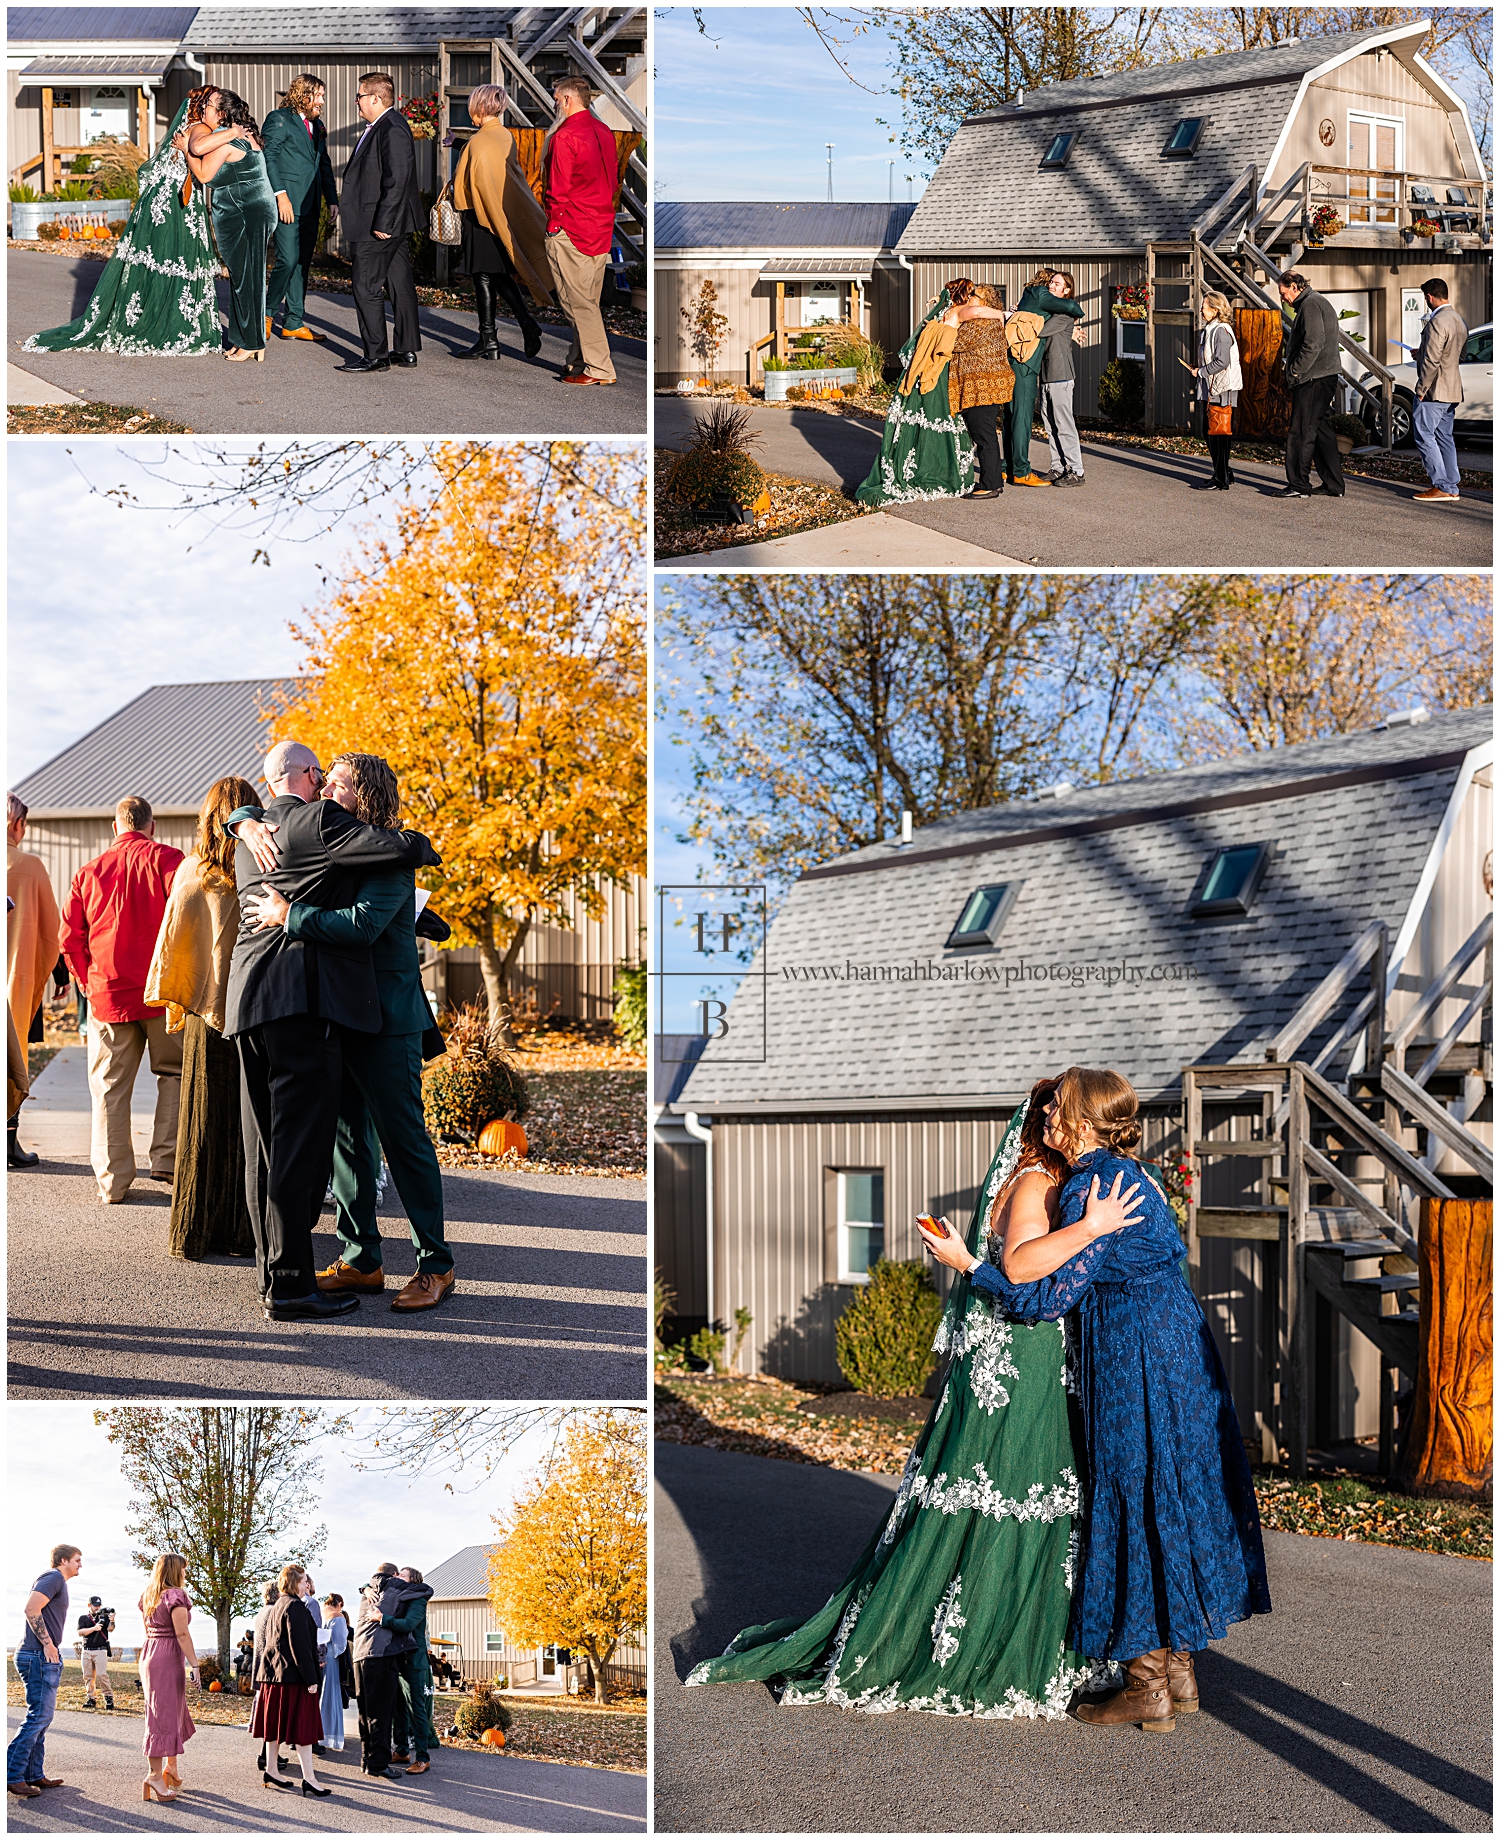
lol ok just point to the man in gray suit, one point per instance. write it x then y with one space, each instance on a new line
1440 390
1310 354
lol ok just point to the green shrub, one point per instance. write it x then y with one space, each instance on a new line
473 1082
483 1711
1351 427
1122 391
630 1003
884 1337
708 1345
25 194
700 477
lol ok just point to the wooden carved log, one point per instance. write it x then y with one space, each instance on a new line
1450 1451
1264 408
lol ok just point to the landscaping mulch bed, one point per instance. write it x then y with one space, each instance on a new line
564 1729
87 418
796 504
772 1418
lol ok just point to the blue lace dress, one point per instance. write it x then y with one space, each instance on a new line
1172 1550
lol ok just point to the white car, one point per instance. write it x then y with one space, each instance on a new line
1476 413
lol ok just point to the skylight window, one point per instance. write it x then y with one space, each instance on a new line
1233 877
1182 143
1058 150
984 914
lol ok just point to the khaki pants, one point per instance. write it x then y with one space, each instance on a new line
96 1667
579 280
115 1050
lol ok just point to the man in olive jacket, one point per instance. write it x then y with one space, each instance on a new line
413 1732
1310 354
301 176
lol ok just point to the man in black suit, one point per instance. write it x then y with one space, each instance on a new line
381 207
286 1001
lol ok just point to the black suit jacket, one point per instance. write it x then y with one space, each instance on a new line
380 182
324 851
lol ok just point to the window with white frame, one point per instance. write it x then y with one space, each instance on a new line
494 1641
1130 339
1377 145
861 1223
446 1635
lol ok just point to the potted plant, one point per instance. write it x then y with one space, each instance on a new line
1349 431
809 371
717 477
1324 222
1425 226
422 114
1132 302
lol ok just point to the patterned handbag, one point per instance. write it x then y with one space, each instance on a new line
443 222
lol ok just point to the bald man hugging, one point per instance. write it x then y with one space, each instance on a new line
286 1000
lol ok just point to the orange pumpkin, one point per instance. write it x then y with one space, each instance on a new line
216 1686
495 1738
500 1135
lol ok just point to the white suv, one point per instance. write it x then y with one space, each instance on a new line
1476 413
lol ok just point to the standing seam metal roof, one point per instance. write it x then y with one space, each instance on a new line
131 24
759 225
463 1575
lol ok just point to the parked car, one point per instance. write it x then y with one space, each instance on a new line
1476 413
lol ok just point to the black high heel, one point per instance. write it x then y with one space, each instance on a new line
274 1782
308 1789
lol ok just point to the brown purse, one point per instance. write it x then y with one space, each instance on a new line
1220 415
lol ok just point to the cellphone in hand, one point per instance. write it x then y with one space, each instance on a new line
939 1229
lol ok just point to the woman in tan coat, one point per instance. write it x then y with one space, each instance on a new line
189 972
505 228
31 939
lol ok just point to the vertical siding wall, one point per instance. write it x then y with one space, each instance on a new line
66 844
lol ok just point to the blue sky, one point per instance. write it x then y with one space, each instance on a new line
744 113
65 1484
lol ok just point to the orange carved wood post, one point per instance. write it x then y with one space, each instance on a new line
1265 408
1450 1451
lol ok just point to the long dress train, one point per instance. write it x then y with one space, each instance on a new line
155 298
925 450
959 1604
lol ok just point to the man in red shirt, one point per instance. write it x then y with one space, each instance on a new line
113 916
580 198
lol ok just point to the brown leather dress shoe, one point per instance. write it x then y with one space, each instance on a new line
302 332
425 1292
342 1277
1182 1681
418 1769
1144 1700
24 1790
1030 479
45 1782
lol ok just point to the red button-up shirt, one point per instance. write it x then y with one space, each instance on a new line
113 916
580 187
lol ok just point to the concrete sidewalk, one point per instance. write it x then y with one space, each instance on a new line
879 541
550 1301
298 388
99 1759
1363 1703
22 390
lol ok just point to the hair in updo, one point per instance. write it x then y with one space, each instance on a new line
1101 1098
960 291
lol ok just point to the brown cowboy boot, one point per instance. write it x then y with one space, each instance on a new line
1182 1681
1144 1700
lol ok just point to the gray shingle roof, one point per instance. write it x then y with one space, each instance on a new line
169 745
335 28
462 1575
698 225
905 1036
130 24
1117 192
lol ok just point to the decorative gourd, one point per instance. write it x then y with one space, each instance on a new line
216 1686
500 1135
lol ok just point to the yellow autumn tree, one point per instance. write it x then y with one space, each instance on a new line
571 1566
492 649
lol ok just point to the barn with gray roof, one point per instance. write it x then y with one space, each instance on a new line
796 264
1108 178
909 994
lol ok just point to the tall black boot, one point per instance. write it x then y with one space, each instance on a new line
15 1156
1220 445
509 290
487 345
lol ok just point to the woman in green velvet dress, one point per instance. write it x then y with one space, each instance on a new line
227 155
959 1605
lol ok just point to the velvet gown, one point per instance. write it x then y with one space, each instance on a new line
244 214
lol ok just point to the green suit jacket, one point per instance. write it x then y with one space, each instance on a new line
1041 300
383 917
296 161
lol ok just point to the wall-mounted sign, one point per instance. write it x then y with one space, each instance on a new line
1326 132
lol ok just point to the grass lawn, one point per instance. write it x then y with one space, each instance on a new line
87 418
765 1418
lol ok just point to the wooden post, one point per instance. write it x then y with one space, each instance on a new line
47 143
1148 374
1192 1133
1195 287
1297 1313
1450 1451
143 121
780 321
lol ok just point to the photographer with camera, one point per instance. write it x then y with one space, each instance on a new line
94 1628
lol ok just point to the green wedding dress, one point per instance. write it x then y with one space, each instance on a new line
959 1604
156 296
925 450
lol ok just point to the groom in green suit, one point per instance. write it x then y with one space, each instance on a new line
302 178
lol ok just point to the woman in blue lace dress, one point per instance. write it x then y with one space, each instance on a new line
1172 1549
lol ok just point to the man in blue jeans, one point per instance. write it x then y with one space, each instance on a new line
39 1663
1439 392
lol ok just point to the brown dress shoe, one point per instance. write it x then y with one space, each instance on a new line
425 1292
45 1782
342 1277
418 1769
1182 1681
1030 479
24 1790
302 332
1144 1700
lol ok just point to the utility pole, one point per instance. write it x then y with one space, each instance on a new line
829 146
908 188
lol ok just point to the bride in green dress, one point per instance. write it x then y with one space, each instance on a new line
227 154
925 450
959 1604
155 298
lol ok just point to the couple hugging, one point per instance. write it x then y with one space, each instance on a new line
326 1008
999 1586
258 185
972 374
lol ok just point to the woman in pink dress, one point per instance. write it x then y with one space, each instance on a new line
167 1610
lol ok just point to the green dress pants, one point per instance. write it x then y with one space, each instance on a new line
1019 412
294 244
380 1104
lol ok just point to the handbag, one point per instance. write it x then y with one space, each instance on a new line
442 222
1220 415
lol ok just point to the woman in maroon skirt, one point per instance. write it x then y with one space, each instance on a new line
167 1611
286 1707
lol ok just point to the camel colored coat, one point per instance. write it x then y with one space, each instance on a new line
489 182
190 966
32 934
